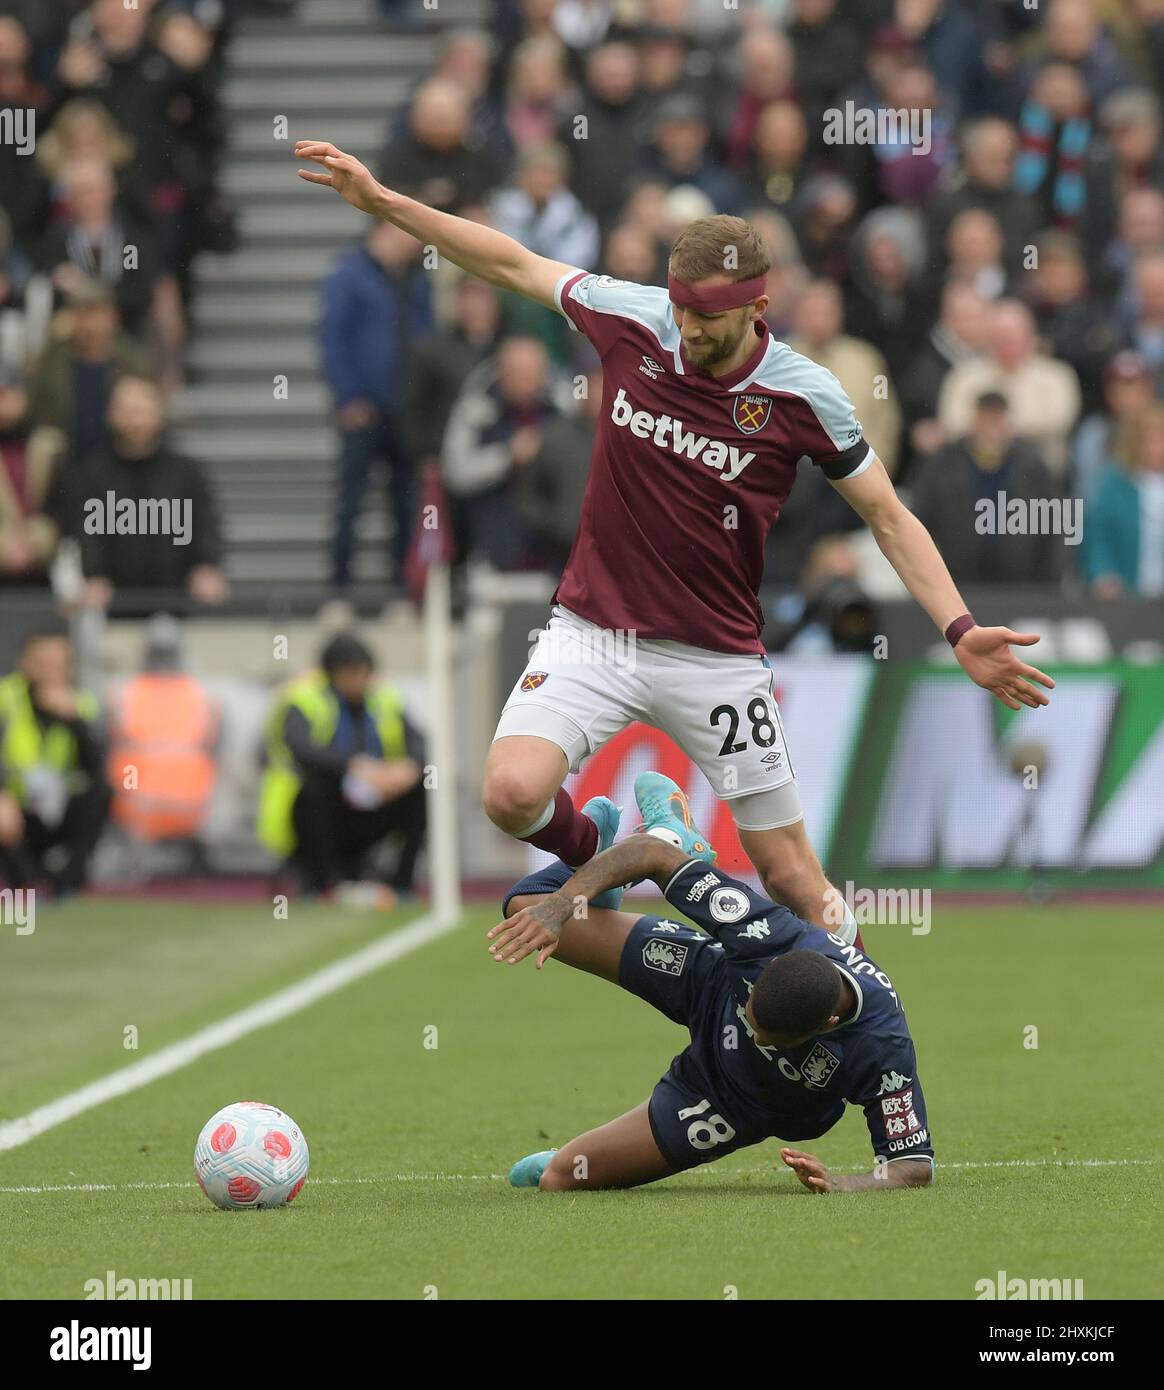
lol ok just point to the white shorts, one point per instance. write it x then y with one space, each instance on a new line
584 684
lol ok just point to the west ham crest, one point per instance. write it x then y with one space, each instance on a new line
532 679
750 413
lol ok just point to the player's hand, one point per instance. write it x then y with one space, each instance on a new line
811 1171
532 929
984 653
350 179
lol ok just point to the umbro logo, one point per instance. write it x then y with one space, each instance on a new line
652 368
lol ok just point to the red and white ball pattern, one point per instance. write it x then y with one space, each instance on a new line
251 1155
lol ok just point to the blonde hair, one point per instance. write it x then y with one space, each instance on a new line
53 149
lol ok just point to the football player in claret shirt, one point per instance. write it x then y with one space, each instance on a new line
705 418
788 1023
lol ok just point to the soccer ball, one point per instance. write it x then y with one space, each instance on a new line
250 1155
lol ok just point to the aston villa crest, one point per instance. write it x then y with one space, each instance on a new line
750 413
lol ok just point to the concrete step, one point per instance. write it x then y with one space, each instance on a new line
200 402
256 266
298 307
295 96
311 448
316 212
230 354
358 130
348 50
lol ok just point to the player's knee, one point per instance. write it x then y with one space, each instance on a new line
512 799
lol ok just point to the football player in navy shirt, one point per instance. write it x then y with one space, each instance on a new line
788 1023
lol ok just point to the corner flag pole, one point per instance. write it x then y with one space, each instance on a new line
443 857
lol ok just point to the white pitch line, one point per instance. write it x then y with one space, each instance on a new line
278 1006
501 1177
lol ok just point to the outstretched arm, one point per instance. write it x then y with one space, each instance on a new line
984 653
482 251
905 1172
538 928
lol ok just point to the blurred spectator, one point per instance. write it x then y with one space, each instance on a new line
779 155
958 495
910 158
342 771
1140 233
1077 328
441 363
433 160
549 489
767 64
1043 394
1054 137
787 276
952 41
682 151
1126 546
604 137
824 215
145 515
541 212
96 239
1147 330
976 254
20 191
1129 157
631 254
53 797
984 178
494 432
376 306
70 384
537 92
28 536
959 335
164 724
857 365
1103 439
884 303
1073 35
827 48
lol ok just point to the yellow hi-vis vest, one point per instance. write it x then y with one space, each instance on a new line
315 698
24 744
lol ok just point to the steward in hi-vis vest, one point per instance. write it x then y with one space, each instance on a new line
342 771
53 797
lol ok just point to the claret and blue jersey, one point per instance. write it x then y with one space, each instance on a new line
727 1089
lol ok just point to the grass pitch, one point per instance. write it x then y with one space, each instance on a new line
1049 1157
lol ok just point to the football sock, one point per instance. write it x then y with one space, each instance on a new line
567 833
545 880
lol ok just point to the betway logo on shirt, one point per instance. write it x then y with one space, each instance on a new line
669 433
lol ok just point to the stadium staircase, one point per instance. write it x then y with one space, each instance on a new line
333 71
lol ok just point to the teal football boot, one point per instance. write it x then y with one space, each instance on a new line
527 1171
606 816
667 815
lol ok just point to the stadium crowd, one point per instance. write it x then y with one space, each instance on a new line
112 132
986 281
988 289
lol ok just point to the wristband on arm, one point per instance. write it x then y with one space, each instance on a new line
959 628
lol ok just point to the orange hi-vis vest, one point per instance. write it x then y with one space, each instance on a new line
162 733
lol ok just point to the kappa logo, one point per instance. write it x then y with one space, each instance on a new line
669 957
652 368
669 433
532 679
729 904
756 931
892 1081
750 413
819 1066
